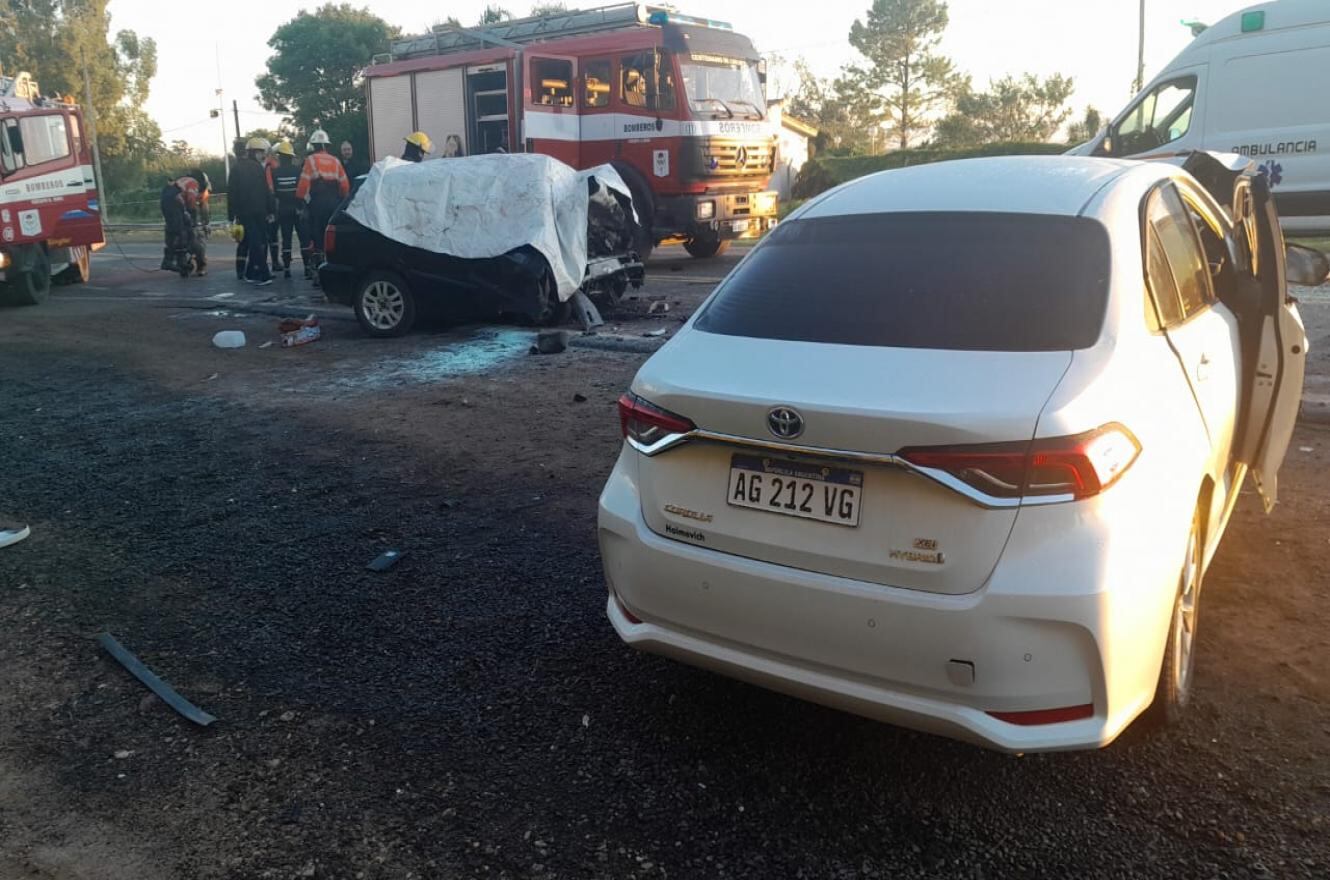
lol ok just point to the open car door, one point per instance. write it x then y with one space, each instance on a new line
1275 353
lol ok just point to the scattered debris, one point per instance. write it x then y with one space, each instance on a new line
213 376
655 333
287 717
267 344
658 307
221 296
551 341
588 316
123 754
579 398
296 332
1306 449
13 534
229 339
155 684
386 560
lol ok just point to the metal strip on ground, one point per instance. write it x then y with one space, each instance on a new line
156 685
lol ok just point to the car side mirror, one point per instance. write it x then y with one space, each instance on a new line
1305 265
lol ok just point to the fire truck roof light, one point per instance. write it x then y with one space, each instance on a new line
661 16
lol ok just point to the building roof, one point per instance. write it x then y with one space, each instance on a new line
1014 184
793 123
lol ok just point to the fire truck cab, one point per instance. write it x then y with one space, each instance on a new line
50 215
676 103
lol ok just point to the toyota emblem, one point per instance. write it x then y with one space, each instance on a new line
785 423
741 157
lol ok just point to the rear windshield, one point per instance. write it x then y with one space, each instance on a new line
962 281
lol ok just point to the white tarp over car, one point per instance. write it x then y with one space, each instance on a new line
478 207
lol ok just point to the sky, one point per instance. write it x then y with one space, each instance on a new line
1092 41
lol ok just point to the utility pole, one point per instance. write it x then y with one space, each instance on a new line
221 114
235 111
92 136
226 148
1140 55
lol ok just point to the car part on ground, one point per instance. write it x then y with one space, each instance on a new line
168 694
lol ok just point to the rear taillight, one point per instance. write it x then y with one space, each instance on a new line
647 424
329 240
1078 466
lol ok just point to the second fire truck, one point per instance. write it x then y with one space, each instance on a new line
676 103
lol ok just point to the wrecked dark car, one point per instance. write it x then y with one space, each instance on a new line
479 238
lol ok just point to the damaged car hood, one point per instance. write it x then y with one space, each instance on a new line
479 207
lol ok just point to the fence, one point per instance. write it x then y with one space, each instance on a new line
142 208
822 173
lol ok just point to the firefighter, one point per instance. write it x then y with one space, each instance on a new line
194 191
323 184
418 145
176 221
251 203
285 180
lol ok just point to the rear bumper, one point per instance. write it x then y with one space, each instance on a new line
338 282
733 215
900 656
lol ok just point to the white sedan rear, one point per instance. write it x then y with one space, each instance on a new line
953 446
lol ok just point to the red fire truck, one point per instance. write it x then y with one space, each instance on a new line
50 215
676 103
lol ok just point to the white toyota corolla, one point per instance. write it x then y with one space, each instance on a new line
954 445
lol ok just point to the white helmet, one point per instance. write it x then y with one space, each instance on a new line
319 137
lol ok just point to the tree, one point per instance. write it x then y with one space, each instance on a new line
493 14
54 39
549 9
1021 110
905 81
1085 128
314 72
844 121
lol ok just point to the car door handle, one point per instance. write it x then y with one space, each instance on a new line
1203 368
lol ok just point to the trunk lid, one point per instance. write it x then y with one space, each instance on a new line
911 532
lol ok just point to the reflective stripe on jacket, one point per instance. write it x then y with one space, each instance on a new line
322 171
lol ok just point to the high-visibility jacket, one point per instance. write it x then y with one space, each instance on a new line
322 174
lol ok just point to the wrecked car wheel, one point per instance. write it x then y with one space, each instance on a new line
384 305
550 310
705 247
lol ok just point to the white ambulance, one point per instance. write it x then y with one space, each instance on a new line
1255 83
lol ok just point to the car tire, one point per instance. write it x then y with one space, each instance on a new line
644 204
703 248
79 269
1177 673
33 286
384 305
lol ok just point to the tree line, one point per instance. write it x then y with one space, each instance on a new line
906 93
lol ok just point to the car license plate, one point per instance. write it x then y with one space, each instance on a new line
739 225
810 491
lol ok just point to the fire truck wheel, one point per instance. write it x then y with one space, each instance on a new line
31 287
79 269
644 205
705 247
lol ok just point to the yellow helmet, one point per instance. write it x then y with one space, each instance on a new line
285 149
237 232
257 143
420 139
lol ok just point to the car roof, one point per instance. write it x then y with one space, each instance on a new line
1008 184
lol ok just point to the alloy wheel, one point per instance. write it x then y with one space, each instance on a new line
383 305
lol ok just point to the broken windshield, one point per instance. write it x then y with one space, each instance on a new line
727 87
